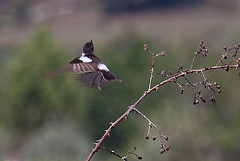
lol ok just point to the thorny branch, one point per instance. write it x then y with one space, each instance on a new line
182 72
122 157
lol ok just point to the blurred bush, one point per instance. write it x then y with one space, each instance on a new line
28 98
29 102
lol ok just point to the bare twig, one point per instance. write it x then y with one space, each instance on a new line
153 57
202 48
180 73
151 124
113 153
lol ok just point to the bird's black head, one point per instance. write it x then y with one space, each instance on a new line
88 48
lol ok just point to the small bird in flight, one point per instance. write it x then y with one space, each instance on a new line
92 70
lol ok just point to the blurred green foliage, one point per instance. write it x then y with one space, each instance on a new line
34 109
28 98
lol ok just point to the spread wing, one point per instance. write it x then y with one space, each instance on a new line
91 73
75 66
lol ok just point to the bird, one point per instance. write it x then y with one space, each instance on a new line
92 70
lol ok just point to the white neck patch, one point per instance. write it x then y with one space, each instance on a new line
85 59
102 66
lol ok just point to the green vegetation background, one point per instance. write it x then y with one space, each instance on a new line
58 119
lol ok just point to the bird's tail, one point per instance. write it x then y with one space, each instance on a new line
98 79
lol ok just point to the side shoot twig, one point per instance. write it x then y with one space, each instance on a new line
182 72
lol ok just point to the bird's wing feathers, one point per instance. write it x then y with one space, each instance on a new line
81 68
92 70
75 66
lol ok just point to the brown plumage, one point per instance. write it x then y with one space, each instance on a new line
92 70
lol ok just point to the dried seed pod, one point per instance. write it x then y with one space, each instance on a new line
163 73
162 151
225 48
163 53
167 148
145 47
166 138
139 157
218 86
227 69
187 84
199 91
195 102
213 99
202 98
181 89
